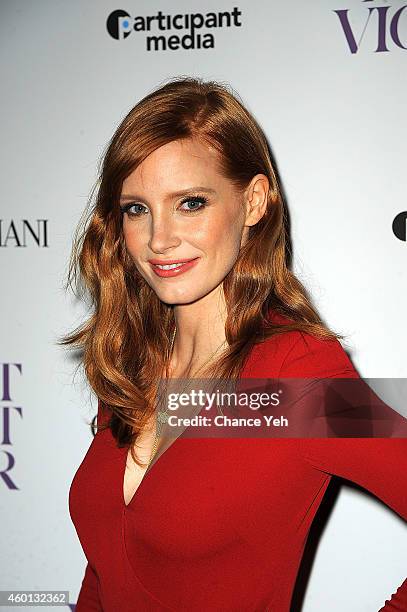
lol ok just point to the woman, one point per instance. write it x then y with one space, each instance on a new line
185 256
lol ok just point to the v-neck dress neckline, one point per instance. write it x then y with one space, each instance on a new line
160 453
146 476
156 459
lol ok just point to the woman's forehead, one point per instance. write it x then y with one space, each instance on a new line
174 168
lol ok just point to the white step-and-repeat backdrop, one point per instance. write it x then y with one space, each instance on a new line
327 82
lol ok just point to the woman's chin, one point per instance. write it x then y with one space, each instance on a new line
178 298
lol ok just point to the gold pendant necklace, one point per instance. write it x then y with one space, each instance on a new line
162 415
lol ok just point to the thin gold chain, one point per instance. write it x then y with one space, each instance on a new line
162 415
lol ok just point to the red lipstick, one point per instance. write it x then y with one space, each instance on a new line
183 266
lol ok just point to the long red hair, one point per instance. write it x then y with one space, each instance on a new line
125 342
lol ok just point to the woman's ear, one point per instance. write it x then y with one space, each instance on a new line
256 196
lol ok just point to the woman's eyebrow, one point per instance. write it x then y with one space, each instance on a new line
169 196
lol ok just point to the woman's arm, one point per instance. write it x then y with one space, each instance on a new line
398 601
379 465
88 598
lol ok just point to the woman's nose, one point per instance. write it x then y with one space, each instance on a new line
163 235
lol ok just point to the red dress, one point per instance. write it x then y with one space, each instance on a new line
221 524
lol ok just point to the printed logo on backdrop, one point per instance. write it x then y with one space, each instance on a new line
399 226
178 31
388 23
10 414
23 233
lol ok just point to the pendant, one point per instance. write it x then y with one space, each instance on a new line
162 417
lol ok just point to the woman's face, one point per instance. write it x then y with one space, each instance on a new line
179 207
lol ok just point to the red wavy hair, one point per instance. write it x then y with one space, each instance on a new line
125 342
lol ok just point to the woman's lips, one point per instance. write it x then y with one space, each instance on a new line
180 269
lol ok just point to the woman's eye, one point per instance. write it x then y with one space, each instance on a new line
136 213
197 202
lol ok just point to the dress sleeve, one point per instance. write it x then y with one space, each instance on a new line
379 464
88 598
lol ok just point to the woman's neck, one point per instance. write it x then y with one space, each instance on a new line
200 332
